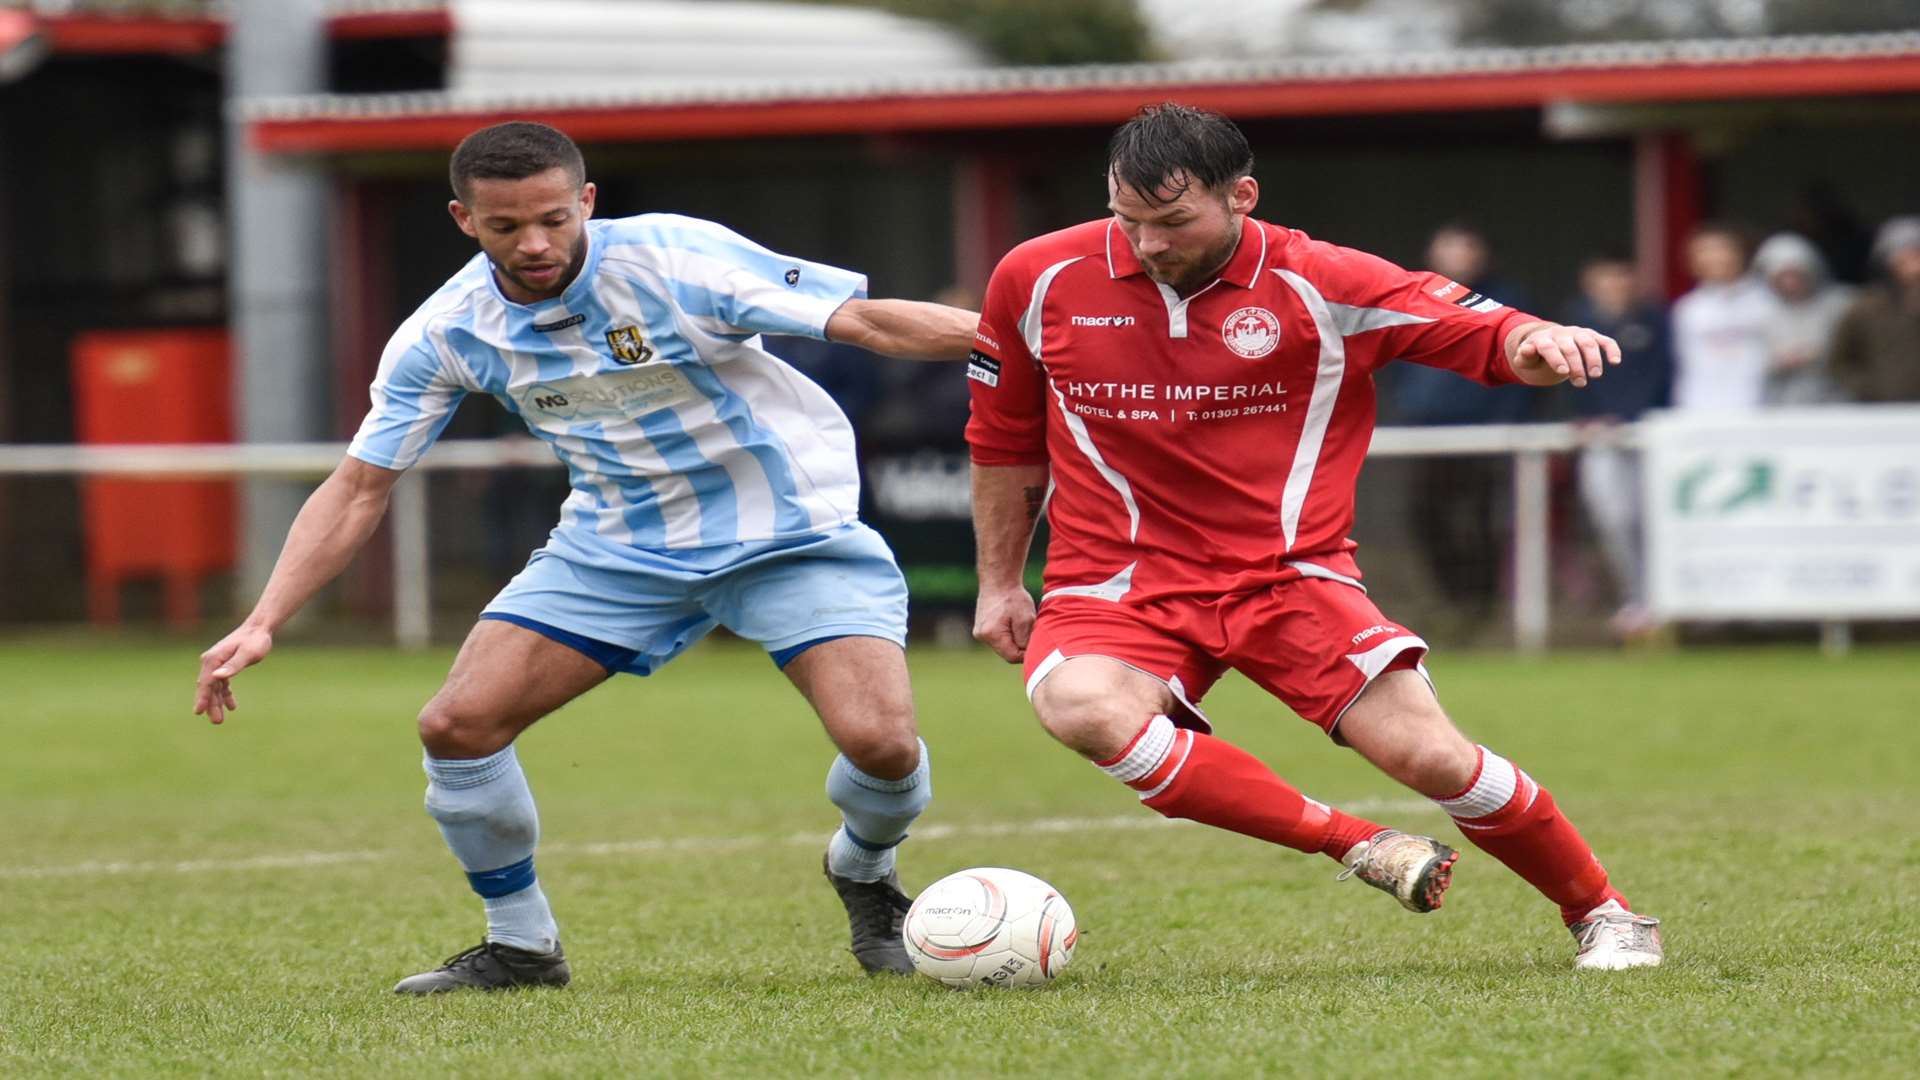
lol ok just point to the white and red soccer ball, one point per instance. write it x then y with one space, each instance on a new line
990 926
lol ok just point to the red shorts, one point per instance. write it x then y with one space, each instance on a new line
1313 643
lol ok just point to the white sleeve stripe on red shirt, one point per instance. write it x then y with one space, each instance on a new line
1084 440
1326 387
1358 320
1031 325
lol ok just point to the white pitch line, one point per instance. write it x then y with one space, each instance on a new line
292 861
302 860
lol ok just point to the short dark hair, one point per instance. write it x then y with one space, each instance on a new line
1735 231
1461 227
1170 147
513 151
1608 256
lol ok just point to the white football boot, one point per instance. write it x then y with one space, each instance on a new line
1613 939
1415 870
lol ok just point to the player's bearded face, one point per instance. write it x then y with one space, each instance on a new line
533 229
1187 233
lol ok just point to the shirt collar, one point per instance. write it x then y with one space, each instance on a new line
1242 270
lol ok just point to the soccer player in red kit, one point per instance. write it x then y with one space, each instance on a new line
1196 388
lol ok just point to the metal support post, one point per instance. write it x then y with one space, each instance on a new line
1836 637
1531 579
412 595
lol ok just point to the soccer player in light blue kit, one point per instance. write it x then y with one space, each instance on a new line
712 485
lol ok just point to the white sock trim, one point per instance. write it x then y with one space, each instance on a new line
455 774
1491 790
1148 751
1185 745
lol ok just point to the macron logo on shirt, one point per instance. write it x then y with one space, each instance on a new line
1104 320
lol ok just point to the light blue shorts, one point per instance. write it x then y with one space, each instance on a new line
780 593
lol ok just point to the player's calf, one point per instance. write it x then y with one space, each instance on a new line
1184 774
486 814
1117 718
875 813
1509 815
860 861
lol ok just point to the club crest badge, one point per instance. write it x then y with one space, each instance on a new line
1252 332
628 346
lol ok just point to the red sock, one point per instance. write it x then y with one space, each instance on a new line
1512 818
1184 774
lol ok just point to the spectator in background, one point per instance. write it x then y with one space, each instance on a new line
1876 348
1454 498
1427 395
923 405
1719 328
1611 302
1799 331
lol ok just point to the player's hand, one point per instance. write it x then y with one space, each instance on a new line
1574 353
1004 620
236 652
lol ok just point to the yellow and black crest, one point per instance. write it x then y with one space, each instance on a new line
628 346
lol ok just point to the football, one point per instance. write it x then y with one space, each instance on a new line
990 926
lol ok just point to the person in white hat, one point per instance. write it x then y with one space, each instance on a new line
1799 331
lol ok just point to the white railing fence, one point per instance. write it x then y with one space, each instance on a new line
1529 445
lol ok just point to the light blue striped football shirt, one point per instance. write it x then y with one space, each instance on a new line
648 379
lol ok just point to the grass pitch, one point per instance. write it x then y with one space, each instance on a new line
180 900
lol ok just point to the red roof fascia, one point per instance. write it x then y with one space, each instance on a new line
132 34
1104 105
430 22
16 28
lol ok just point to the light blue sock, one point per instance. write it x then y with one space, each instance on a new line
875 814
486 812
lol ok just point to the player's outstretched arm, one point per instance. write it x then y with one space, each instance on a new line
1544 353
905 329
337 519
1006 506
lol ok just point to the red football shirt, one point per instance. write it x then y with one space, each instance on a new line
1211 443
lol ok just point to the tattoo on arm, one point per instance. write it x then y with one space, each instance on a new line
1036 497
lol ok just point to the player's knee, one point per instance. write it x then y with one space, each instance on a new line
887 751
449 731
1089 715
